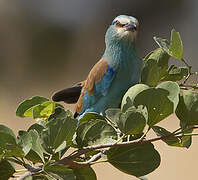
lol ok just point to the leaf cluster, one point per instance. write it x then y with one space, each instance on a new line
58 146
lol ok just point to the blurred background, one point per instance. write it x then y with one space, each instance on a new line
48 45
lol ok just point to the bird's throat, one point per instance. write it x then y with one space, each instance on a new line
119 52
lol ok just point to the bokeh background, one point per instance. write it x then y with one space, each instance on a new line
47 45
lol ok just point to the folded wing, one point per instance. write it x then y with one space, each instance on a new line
86 93
95 86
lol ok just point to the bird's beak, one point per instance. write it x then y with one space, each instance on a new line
131 26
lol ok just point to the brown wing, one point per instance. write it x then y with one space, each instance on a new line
94 76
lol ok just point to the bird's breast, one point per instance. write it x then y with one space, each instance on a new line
127 74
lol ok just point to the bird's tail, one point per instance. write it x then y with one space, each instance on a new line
68 95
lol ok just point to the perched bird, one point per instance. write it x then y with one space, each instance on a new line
109 79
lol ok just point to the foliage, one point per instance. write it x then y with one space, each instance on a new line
118 137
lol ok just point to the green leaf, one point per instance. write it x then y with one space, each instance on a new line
137 160
44 110
95 132
150 73
91 116
57 131
163 43
60 172
85 173
41 111
33 157
6 170
27 104
60 113
25 142
132 137
175 73
128 99
160 101
7 130
36 152
37 127
187 109
173 90
113 114
171 141
176 46
133 121
13 150
8 145
155 66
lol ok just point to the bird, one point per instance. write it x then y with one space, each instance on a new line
118 69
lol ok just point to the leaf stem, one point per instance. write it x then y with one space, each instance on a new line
184 61
68 160
191 134
186 129
50 157
13 159
176 130
123 136
144 135
185 87
189 70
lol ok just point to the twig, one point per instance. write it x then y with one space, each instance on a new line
191 134
176 130
12 159
189 70
186 87
144 135
186 129
123 136
70 160
67 160
74 164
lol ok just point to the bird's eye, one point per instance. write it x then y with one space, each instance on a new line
115 22
118 24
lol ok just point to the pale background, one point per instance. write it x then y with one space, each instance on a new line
47 45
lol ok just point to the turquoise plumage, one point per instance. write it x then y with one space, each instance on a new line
110 78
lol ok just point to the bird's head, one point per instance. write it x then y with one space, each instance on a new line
123 28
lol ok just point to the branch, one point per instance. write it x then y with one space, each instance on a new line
69 159
94 158
74 164
186 87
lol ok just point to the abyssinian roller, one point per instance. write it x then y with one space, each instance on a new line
110 78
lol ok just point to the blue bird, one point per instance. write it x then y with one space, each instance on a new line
109 79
